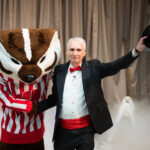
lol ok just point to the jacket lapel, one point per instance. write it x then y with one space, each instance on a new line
86 75
61 76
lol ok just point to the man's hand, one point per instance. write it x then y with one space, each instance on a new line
34 109
140 46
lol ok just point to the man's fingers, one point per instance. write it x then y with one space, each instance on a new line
34 108
144 37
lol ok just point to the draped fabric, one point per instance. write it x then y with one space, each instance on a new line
106 25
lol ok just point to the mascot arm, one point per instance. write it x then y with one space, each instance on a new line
8 101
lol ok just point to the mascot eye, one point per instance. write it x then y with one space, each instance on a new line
42 59
15 61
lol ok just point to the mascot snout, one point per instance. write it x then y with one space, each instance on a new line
29 73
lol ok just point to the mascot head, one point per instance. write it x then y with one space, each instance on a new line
28 54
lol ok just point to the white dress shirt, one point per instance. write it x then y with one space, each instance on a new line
74 104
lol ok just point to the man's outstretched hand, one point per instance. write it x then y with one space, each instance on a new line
141 46
34 109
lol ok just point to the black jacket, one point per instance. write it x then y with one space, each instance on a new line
92 73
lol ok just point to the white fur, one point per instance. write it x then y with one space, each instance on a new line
6 61
27 43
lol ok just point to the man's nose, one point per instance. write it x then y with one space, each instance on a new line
75 52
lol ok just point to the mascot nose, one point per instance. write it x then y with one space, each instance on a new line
30 77
29 73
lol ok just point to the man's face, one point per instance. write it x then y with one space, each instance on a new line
75 52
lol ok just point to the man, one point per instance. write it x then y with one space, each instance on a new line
81 107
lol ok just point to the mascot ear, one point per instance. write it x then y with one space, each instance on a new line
51 56
28 54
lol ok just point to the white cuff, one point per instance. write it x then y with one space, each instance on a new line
134 54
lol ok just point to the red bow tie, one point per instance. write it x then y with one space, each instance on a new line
75 69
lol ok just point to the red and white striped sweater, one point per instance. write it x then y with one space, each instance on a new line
16 126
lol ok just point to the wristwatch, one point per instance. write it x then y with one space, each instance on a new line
137 51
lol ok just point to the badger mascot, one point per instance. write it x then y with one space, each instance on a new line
27 60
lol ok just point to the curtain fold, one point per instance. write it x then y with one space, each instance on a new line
104 24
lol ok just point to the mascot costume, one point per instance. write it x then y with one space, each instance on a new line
27 60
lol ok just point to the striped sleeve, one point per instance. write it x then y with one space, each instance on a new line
8 101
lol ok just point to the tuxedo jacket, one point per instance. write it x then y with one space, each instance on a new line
92 73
